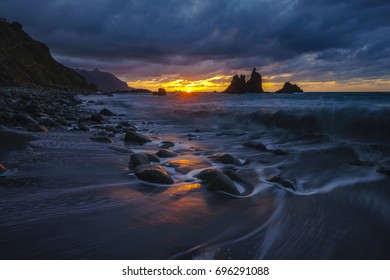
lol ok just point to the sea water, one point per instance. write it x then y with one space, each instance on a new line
332 149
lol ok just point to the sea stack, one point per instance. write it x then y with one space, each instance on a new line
160 92
289 88
239 84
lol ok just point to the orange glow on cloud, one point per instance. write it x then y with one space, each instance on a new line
220 82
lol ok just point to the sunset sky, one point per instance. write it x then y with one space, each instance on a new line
197 45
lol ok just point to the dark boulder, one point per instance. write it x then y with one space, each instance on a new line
216 180
167 144
138 159
135 137
228 159
257 146
286 183
102 139
152 158
153 174
106 112
237 85
164 153
289 88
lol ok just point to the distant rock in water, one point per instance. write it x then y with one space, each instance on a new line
160 92
104 81
289 88
239 84
25 61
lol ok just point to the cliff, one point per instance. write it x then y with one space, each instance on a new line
103 80
24 61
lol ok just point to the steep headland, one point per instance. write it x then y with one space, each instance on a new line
25 61
104 81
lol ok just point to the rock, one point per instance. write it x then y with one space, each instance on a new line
98 118
106 112
167 144
138 159
257 146
33 127
289 88
279 152
154 174
254 84
286 183
239 85
135 137
2 169
160 92
228 159
216 180
101 139
34 108
152 158
24 118
163 153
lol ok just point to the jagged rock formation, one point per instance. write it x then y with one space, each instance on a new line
239 84
24 61
104 81
289 88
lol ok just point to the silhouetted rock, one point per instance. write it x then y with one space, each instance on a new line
160 92
25 61
104 81
228 159
154 174
254 85
239 84
289 88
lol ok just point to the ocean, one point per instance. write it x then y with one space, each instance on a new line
314 182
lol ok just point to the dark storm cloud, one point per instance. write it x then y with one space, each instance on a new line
337 39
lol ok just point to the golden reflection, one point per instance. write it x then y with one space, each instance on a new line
188 187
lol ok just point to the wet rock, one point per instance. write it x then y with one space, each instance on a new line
34 108
164 153
98 118
257 146
33 127
101 139
24 118
152 158
138 159
135 137
286 183
279 152
154 174
228 159
106 112
83 127
216 180
385 171
2 169
167 144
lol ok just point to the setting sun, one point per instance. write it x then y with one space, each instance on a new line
188 90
